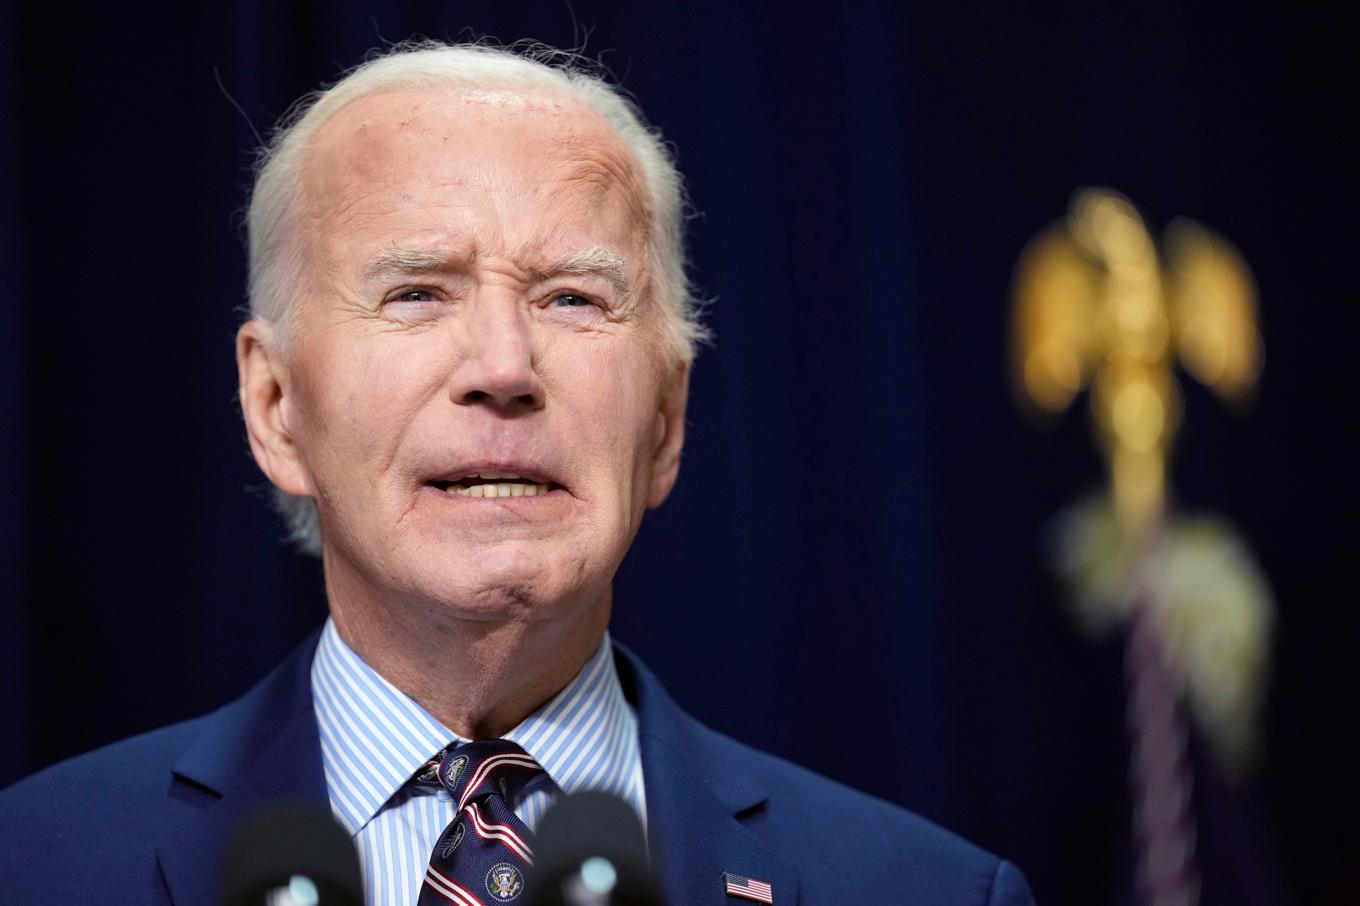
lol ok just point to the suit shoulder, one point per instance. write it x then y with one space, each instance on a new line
815 792
811 816
136 772
125 778
844 845
109 806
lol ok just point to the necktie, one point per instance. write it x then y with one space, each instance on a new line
484 853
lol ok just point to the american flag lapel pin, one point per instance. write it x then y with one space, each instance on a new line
748 888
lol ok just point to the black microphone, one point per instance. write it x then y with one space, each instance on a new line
589 850
290 854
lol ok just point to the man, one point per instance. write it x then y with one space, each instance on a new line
466 373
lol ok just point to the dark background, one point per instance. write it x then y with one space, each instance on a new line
849 573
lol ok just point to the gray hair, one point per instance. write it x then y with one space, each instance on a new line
275 248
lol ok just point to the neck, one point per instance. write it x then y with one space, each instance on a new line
479 677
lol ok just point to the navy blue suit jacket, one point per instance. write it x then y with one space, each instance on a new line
145 820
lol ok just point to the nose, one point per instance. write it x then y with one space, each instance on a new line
498 365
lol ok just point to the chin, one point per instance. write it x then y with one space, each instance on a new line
473 574
474 589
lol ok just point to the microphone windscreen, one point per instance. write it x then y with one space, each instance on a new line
590 849
291 853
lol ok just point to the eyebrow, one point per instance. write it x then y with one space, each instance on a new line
405 261
592 262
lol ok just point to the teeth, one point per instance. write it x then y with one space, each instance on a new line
500 489
492 476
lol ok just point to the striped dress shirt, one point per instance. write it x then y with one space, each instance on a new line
374 737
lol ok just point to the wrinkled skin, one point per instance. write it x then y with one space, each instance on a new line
475 297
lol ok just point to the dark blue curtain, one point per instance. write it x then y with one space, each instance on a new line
849 572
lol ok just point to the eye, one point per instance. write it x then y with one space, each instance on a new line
575 309
570 300
414 303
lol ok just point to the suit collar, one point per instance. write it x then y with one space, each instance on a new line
263 747
703 805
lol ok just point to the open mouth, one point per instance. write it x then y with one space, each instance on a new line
496 484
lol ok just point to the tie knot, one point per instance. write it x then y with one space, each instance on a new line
472 770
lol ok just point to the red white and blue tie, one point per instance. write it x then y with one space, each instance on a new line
482 857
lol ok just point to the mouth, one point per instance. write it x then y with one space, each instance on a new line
496 484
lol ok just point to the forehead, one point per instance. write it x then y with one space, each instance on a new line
478 161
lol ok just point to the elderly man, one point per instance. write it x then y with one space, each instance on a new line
465 372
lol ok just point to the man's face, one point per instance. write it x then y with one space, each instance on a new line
476 304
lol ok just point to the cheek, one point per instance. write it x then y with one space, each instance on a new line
360 401
608 398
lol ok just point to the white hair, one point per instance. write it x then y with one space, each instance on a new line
277 199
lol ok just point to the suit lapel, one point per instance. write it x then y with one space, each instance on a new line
263 747
701 803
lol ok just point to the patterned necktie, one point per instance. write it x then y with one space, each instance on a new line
482 856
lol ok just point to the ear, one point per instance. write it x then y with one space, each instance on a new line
671 435
266 406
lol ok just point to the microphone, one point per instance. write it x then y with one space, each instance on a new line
290 854
589 850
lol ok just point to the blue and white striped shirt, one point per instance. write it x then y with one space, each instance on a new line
374 737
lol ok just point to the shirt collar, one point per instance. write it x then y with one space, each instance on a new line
374 736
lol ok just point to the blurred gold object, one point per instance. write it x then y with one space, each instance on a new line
1097 308
1094 306
1216 612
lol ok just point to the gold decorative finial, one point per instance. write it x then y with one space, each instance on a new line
1095 306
